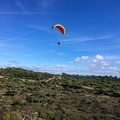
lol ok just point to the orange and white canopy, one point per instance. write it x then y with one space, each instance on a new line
60 27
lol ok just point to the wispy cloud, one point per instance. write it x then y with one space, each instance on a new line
3 44
25 13
99 64
17 40
38 7
46 5
53 69
20 5
113 71
118 62
94 69
3 40
111 57
84 43
72 38
61 54
39 27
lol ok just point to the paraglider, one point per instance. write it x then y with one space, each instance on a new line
61 28
58 43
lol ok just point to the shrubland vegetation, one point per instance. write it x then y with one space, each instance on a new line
37 96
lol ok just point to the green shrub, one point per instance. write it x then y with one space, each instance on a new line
9 116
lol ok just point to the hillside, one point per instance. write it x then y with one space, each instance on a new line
29 95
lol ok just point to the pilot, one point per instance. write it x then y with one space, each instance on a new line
58 43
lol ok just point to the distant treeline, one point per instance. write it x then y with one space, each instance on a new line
29 74
23 73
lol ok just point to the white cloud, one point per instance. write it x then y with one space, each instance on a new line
92 69
99 64
99 57
104 63
78 59
61 66
113 71
84 57
94 60
118 62
53 69
5 65
113 68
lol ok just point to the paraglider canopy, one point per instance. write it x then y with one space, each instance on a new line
60 27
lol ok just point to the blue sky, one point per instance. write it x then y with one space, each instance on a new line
91 45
